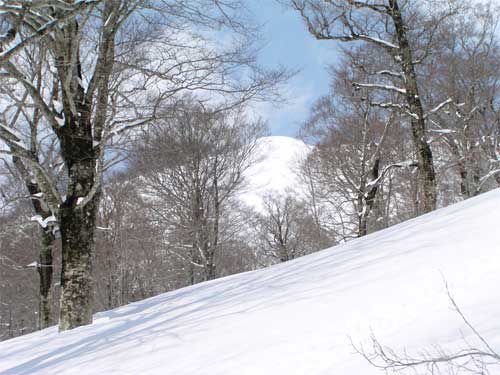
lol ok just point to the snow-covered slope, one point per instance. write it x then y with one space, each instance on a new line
275 171
298 317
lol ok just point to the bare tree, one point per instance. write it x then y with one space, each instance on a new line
132 261
28 187
25 300
465 68
285 229
96 86
192 165
356 151
26 22
404 32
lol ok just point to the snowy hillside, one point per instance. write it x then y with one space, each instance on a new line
298 317
276 168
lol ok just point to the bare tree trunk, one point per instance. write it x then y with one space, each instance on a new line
77 224
368 200
209 265
77 234
212 248
362 216
464 181
45 267
45 270
191 267
197 212
427 175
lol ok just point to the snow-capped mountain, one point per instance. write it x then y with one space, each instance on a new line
303 316
275 170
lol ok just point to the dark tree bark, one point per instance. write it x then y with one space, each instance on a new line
45 265
45 271
367 200
85 113
427 175
77 234
77 220
212 249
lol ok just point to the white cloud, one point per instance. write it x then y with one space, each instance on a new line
285 118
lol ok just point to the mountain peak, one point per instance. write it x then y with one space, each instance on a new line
278 160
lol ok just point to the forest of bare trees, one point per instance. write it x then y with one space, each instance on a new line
125 136
82 83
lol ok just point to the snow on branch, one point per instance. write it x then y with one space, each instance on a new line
380 7
33 92
44 180
112 130
439 107
377 86
378 41
391 74
485 178
442 131
125 126
403 164
37 265
44 223
27 10
399 107
322 30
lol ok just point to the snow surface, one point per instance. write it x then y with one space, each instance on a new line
278 159
298 317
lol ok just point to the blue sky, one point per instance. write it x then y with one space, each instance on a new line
288 43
